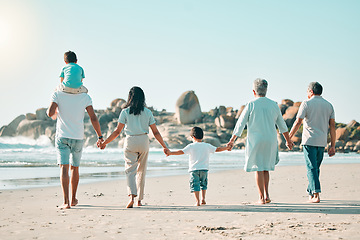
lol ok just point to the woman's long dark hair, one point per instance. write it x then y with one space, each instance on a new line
136 100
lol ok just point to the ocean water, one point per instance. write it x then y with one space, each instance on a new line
27 163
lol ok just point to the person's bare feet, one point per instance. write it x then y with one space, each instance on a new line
197 204
259 202
64 206
203 202
74 202
267 200
139 203
130 204
314 199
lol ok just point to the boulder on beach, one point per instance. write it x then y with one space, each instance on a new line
33 129
290 115
342 134
287 102
30 116
187 109
41 114
10 130
225 121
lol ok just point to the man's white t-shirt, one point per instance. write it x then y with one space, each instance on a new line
199 154
71 112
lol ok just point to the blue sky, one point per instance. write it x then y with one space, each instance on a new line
216 48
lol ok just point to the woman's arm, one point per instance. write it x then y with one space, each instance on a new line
158 136
113 135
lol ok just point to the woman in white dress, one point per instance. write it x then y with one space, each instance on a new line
261 116
136 119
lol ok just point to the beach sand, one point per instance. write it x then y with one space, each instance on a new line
169 212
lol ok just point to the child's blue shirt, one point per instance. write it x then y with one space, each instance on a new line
72 74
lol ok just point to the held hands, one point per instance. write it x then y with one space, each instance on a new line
230 145
166 151
289 144
100 143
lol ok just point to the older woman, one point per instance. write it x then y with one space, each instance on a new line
135 119
261 154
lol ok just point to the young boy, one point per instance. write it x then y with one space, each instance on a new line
199 153
72 75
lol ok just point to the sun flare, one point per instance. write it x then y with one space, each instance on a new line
4 33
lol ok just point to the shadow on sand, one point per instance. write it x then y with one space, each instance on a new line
325 207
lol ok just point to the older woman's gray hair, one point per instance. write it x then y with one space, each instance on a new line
260 87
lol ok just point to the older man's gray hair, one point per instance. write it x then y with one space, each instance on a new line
316 88
260 87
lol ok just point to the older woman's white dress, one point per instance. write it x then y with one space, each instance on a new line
261 115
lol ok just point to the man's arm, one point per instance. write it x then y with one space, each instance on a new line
51 111
94 120
62 79
295 127
331 150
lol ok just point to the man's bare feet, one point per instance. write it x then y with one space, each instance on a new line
267 200
259 202
139 203
74 202
203 202
197 204
314 199
64 206
130 204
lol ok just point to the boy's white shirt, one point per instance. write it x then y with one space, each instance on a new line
199 154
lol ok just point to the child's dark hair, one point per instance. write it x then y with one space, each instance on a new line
70 57
197 133
136 100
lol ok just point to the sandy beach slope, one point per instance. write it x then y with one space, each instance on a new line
169 214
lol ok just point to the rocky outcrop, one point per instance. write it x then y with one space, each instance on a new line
187 109
217 125
10 130
342 134
33 129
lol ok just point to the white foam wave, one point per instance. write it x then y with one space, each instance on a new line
24 142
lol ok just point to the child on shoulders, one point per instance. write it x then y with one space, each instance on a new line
72 75
199 154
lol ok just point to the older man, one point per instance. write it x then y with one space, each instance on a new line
318 114
70 137
261 154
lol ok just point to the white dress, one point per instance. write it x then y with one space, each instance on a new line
261 152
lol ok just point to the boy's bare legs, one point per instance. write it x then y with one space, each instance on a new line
266 186
74 184
131 201
203 193
197 198
64 179
260 183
